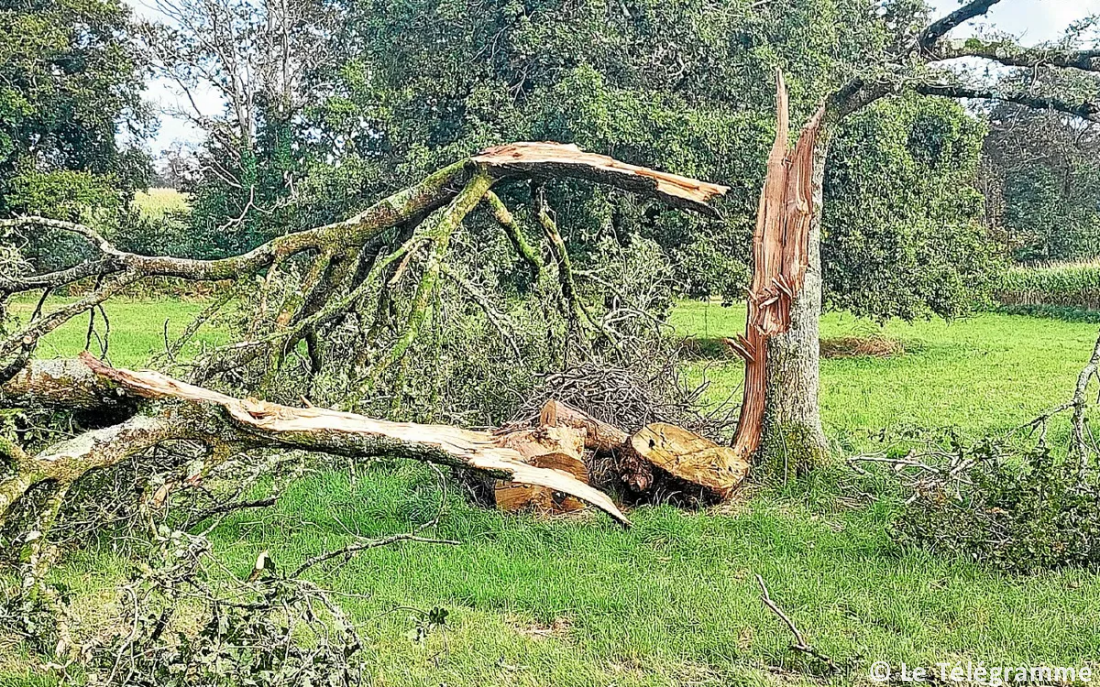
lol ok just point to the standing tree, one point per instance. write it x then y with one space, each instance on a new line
1041 172
69 81
1063 80
264 62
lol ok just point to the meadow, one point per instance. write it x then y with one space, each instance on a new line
673 600
156 202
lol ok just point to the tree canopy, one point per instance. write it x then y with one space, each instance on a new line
70 83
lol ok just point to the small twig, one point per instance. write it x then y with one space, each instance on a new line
41 302
498 320
105 342
800 645
363 545
168 344
1080 405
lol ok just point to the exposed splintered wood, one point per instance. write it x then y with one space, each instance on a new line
557 159
550 448
340 433
780 262
781 258
690 457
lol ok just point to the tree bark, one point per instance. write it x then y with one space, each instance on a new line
793 442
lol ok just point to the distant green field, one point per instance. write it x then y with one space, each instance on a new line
673 601
157 201
1067 285
137 329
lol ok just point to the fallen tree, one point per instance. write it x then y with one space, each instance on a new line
225 424
356 270
352 272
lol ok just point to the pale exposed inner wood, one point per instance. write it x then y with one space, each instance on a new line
323 428
531 153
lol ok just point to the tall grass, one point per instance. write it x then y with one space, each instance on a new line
1069 284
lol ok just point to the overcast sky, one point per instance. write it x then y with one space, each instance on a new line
1033 21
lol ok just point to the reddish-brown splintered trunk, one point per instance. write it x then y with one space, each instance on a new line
793 442
779 420
785 263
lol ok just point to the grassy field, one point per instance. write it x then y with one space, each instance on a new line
137 329
673 601
157 201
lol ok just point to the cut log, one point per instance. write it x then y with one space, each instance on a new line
613 460
550 448
598 435
690 457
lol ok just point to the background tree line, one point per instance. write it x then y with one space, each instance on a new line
329 105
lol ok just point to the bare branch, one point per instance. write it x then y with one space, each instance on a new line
1089 111
939 28
1012 55
800 645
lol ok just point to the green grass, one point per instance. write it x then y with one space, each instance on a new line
156 202
673 601
981 375
137 329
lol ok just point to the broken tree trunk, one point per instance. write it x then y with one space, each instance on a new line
781 251
786 287
792 439
349 434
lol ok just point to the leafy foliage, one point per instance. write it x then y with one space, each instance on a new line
902 216
1022 512
264 631
1041 173
68 75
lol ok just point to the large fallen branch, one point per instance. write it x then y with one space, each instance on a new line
353 261
218 420
351 269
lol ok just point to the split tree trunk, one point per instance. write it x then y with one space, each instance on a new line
792 441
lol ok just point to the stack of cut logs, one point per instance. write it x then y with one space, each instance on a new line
570 441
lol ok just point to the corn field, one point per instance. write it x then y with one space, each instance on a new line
1074 284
